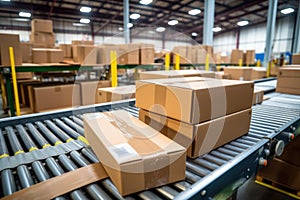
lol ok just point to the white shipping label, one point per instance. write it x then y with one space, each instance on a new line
123 152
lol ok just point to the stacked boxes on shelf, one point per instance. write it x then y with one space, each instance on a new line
288 80
245 73
193 54
249 57
236 56
115 93
199 113
10 40
296 59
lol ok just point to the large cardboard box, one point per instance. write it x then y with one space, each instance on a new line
288 90
81 52
43 39
194 101
225 59
89 90
135 156
147 53
6 41
201 56
200 138
282 173
115 93
258 96
175 74
289 82
67 50
182 52
296 58
26 52
24 98
55 55
56 97
258 73
236 55
239 73
128 54
249 57
41 25
289 72
208 49
39 55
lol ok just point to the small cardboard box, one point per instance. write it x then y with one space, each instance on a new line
89 90
289 72
135 156
194 101
258 73
288 82
236 55
67 50
258 96
282 173
10 40
128 54
41 25
43 39
200 138
296 58
175 74
39 55
26 52
147 54
239 73
115 93
24 75
55 55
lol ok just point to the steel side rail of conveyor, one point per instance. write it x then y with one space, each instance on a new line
205 176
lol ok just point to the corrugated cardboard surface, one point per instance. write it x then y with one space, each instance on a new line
282 173
289 72
239 73
288 90
128 54
258 73
296 59
288 82
134 155
82 42
26 52
47 39
39 55
175 74
249 57
115 93
55 56
41 25
194 101
236 55
10 40
200 138
67 50
89 90
81 52
147 53
258 96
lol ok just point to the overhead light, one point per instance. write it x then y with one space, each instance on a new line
135 16
243 23
194 12
5 0
287 11
173 22
151 32
194 34
24 14
145 2
217 29
129 25
121 29
78 24
85 9
84 21
160 29
21 19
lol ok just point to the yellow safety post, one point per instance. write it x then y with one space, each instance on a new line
268 69
113 69
258 63
218 68
177 62
167 61
207 62
4 103
240 62
14 79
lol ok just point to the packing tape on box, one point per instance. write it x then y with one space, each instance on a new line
40 154
62 184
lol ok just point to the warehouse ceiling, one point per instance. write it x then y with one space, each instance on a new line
105 14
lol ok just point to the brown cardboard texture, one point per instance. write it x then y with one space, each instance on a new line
239 73
41 25
288 90
258 96
82 42
135 156
115 93
89 90
236 55
26 52
194 101
200 138
296 58
81 52
147 53
47 39
282 173
67 50
39 55
128 54
249 57
55 55
289 72
258 73
10 40
175 74
288 82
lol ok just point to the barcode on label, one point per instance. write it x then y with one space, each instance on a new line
123 150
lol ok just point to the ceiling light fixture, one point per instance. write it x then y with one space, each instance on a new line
145 2
85 9
121 29
243 23
217 29
173 22
78 24
287 11
194 12
5 0
24 14
129 25
160 29
135 16
194 34
84 21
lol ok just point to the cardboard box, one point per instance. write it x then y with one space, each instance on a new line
258 96
222 75
43 39
135 156
24 75
291 152
26 52
67 50
147 54
201 56
239 73
183 55
249 57
82 42
89 90
208 49
41 25
296 58
81 52
115 93
289 72
24 99
258 73
282 173
39 55
175 74
200 138
10 40
128 54
289 82
225 59
288 90
56 97
55 55
236 55
194 101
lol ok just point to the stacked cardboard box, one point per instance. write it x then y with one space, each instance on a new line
199 113
135 156
26 52
258 96
67 50
175 74
249 57
258 73
296 58
222 75
82 42
44 55
129 54
193 54
147 52
42 34
239 73
6 41
89 90
236 56
288 80
115 93
81 53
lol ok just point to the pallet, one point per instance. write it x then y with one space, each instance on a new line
277 187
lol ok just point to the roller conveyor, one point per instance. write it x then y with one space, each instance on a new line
206 176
